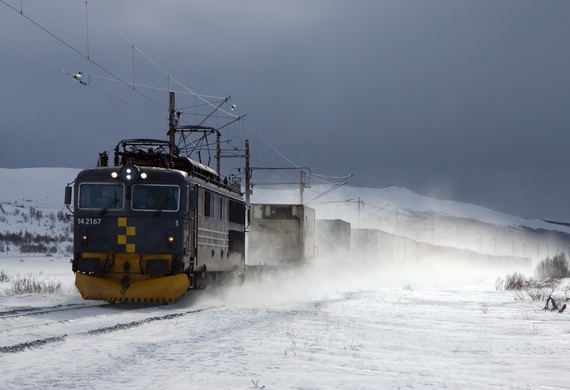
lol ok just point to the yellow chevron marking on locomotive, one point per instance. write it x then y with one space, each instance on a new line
130 231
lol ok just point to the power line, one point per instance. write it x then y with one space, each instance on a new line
73 75
114 78
78 52
156 65
36 59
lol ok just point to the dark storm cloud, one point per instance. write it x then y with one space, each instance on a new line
463 100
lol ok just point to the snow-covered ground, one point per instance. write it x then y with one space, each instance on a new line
337 324
326 327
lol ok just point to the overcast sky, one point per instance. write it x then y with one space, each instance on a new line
461 100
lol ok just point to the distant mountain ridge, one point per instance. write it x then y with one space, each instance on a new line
44 187
400 198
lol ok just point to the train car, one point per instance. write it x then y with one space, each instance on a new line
368 244
333 238
153 225
281 234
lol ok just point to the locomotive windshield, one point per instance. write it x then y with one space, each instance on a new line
153 197
101 196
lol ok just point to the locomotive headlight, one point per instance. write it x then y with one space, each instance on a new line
129 173
143 175
170 238
84 240
114 175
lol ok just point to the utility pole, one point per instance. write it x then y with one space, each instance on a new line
218 152
359 211
171 125
247 174
302 185
432 230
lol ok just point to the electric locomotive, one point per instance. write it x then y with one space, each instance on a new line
153 225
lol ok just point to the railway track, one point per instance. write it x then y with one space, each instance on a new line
43 310
32 328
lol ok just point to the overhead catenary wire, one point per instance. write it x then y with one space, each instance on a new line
87 84
155 64
162 89
77 51
277 151
91 75
135 86
36 59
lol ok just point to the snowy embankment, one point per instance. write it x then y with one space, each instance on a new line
323 328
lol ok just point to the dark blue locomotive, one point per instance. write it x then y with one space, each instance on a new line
153 225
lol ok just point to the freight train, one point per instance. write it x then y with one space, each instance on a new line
153 225
281 235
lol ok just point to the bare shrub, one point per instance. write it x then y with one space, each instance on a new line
554 306
532 293
553 267
516 281
29 285
4 277
292 336
499 284
529 288
353 346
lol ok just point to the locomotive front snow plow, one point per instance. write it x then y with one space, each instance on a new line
165 289
129 277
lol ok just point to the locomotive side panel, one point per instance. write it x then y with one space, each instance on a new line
220 233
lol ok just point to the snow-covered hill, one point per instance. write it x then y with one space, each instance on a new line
391 200
38 187
32 213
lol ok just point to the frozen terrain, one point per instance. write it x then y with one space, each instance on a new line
336 324
321 328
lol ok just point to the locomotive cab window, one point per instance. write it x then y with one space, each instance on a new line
155 197
101 196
